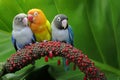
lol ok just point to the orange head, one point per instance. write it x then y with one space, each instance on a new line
36 16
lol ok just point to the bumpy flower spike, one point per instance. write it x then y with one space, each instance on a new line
51 49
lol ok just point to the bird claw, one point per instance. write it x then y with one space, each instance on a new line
37 42
30 43
44 40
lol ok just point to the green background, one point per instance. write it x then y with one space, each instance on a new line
96 26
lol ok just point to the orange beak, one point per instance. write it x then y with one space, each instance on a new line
30 17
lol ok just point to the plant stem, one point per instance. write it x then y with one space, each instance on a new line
51 49
107 67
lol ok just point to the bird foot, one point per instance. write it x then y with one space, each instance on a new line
44 40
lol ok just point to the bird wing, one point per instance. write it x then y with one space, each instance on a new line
71 35
33 39
14 43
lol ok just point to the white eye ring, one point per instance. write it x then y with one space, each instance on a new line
58 19
35 13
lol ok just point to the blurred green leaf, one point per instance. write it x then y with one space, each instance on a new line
96 26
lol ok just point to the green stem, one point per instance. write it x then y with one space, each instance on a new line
107 67
23 75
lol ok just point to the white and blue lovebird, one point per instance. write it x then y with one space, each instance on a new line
62 31
21 33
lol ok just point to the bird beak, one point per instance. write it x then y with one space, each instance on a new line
25 21
30 17
64 23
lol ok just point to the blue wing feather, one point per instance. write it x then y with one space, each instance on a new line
71 35
70 41
14 43
33 39
20 46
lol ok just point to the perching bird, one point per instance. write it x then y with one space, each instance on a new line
39 25
62 31
21 33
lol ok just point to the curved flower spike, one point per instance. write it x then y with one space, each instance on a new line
35 51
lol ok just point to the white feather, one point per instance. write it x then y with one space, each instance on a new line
60 35
22 36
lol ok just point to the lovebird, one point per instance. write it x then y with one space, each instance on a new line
62 31
22 35
39 25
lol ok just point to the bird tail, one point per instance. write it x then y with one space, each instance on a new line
65 64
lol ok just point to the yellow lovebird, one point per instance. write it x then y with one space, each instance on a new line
39 25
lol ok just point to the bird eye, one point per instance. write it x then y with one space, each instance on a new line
19 19
35 13
58 19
